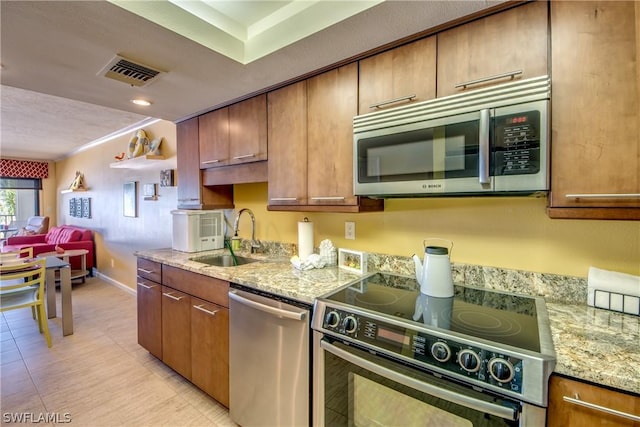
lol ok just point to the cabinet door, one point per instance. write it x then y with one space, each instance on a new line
214 138
210 349
562 413
149 299
502 43
248 130
397 74
188 164
176 331
287 110
332 103
595 109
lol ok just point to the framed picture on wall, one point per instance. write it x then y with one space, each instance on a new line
72 207
86 207
130 199
166 178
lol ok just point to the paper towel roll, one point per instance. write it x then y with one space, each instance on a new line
305 239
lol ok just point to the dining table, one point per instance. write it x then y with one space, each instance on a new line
63 268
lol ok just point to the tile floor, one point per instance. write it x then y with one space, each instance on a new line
99 376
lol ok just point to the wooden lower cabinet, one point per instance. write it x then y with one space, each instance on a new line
185 322
176 331
562 413
210 349
150 316
149 304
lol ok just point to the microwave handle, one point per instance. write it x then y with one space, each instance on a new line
483 155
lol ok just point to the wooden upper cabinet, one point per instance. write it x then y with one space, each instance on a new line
509 41
287 133
563 413
188 158
234 134
191 193
248 130
397 74
332 104
595 110
214 139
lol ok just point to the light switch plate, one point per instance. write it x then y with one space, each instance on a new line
350 230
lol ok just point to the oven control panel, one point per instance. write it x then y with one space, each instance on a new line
464 360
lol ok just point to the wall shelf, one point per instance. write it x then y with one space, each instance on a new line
142 162
73 191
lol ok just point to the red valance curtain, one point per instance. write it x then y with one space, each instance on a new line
23 169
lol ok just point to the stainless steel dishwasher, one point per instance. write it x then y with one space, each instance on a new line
269 368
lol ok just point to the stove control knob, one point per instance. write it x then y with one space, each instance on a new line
440 351
350 324
469 360
332 319
501 370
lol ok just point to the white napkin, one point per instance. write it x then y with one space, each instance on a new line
312 261
615 291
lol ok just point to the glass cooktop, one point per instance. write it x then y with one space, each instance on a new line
494 316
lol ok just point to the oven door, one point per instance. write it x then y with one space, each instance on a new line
354 387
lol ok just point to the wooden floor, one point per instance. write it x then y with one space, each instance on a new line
99 376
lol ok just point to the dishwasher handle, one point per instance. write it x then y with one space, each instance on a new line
267 309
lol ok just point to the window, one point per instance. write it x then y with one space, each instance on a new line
19 199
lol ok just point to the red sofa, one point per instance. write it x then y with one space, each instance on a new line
65 236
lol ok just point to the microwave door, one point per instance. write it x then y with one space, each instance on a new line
427 157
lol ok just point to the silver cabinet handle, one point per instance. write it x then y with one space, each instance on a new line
284 199
168 294
457 398
146 286
201 308
244 156
392 101
328 198
483 155
577 401
207 162
604 196
511 74
145 271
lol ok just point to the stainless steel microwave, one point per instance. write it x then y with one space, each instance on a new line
489 141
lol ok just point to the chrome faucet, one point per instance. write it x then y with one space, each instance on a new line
255 244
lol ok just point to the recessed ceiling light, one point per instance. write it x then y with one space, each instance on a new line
142 102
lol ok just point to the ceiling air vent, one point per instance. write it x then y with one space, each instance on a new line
130 72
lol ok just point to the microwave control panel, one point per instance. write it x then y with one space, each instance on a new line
517 144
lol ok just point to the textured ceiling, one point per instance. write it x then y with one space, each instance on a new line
55 49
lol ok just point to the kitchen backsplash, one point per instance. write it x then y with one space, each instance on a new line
553 287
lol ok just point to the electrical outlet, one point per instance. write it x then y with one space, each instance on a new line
350 230
112 263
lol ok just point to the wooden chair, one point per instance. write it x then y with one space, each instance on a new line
22 285
20 253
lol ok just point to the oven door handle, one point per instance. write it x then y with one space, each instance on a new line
469 402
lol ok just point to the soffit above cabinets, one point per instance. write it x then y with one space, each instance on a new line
245 30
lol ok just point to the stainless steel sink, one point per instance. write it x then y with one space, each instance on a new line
225 260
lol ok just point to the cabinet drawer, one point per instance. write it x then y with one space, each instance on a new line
204 287
151 270
574 403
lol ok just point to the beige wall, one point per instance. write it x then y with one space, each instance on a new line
117 237
503 232
513 233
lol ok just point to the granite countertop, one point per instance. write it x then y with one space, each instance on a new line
592 344
274 275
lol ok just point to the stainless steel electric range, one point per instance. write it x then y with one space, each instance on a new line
386 354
